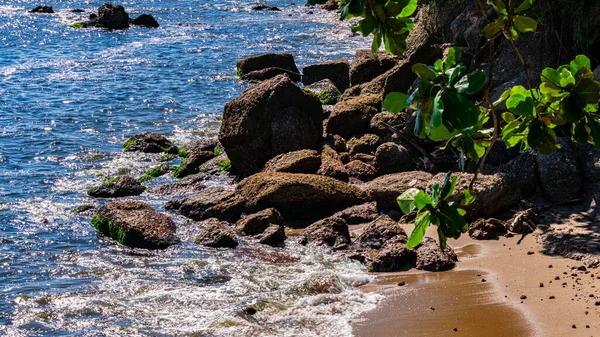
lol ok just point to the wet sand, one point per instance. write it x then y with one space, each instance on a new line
521 295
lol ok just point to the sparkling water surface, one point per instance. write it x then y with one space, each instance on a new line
69 98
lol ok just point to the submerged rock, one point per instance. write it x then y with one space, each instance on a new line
42 9
135 224
263 7
431 258
216 234
210 203
149 142
332 232
122 186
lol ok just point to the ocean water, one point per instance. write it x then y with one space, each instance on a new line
68 100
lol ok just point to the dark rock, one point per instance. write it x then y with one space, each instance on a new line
84 209
263 7
366 66
269 60
353 116
135 224
191 164
216 234
332 167
77 10
500 155
393 256
210 203
42 9
325 90
215 166
113 16
385 189
591 175
560 177
122 186
332 232
367 143
301 161
145 20
393 158
379 121
431 258
267 73
336 71
365 158
597 73
486 229
299 195
380 231
209 144
274 235
258 222
268 119
358 214
359 170
330 5
149 142
189 184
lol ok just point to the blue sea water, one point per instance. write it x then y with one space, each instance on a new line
69 98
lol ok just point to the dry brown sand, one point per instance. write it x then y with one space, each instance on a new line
504 287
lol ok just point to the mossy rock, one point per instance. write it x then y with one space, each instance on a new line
149 142
155 173
121 186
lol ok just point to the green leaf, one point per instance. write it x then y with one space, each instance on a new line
541 138
551 89
525 24
405 200
365 26
438 110
524 6
439 65
468 197
566 78
573 108
409 9
508 117
376 44
550 75
594 126
424 72
459 112
453 57
588 90
580 62
443 238
493 28
395 102
421 224
512 133
471 83
580 134
520 101
422 200
453 220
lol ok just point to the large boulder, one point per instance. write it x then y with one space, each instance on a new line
268 119
122 186
385 189
430 256
269 60
336 71
113 16
149 142
353 116
210 203
366 65
393 158
380 231
216 234
301 161
145 20
299 195
332 232
325 90
267 73
135 224
560 176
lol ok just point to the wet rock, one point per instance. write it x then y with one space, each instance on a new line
189 184
366 66
149 142
486 229
431 258
268 119
385 189
325 90
393 158
113 16
191 164
135 224
380 231
560 177
361 171
322 283
393 256
302 161
216 234
332 167
267 73
263 7
332 232
299 195
77 10
209 144
335 71
84 209
367 143
210 203
42 9
379 123
220 165
258 222
358 214
122 186
155 172
353 116
274 235
269 60
145 20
